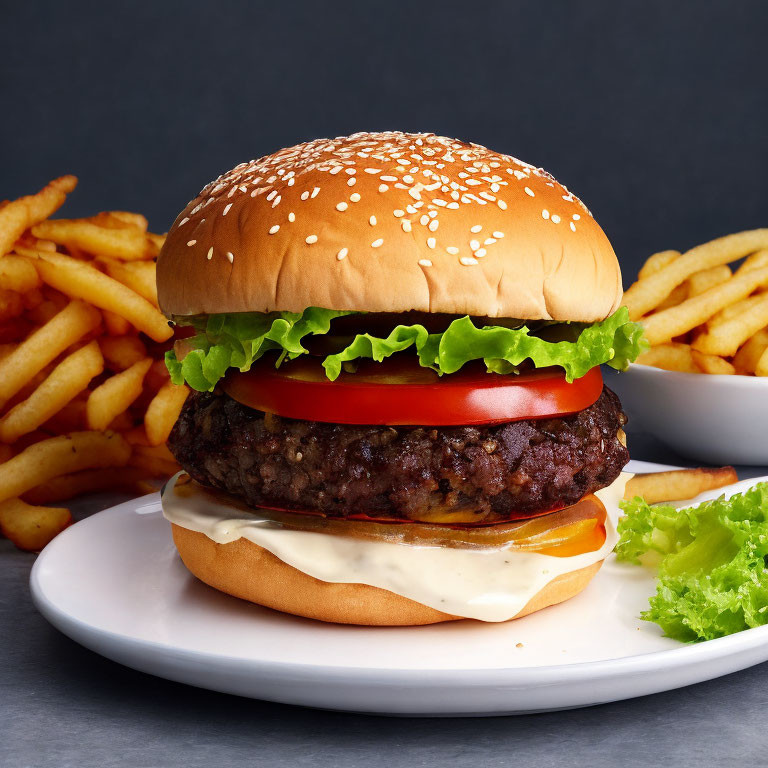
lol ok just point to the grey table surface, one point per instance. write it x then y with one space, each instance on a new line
62 706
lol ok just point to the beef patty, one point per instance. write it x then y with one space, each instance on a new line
483 474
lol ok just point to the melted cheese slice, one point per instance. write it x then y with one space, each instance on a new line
489 584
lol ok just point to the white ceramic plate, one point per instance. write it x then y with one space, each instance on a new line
114 583
713 418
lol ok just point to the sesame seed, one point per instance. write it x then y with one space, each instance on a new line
383 187
210 253
411 209
406 225
468 261
555 218
274 229
372 221
474 244
272 194
477 228
573 227
453 206
372 170
305 195
336 169
575 217
545 214
342 254
425 263
424 220
388 178
431 242
230 256
355 197
226 209
351 181
311 239
377 243
183 221
342 206
452 249
350 171
315 191
433 225
501 205
397 213
489 241
480 252
529 191
291 216
498 234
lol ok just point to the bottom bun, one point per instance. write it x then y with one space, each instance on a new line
246 570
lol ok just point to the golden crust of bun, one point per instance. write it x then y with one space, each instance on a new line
389 222
248 571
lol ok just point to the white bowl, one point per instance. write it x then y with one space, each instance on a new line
708 417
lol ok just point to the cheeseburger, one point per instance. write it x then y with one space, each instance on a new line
393 345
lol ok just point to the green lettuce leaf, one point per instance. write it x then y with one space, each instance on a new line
237 340
711 562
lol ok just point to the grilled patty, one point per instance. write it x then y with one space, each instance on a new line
478 474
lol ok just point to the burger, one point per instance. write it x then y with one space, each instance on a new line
396 414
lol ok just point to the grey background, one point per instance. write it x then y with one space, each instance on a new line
654 112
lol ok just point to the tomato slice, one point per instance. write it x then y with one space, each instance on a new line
398 393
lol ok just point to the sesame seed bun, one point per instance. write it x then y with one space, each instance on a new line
389 222
246 570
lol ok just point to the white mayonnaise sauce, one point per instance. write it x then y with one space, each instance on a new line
490 584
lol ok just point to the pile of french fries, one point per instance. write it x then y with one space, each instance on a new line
702 311
85 400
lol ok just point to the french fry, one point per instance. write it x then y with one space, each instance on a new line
734 310
656 262
761 369
5 452
678 296
70 377
134 219
726 336
30 527
163 411
712 364
17 274
25 212
702 281
121 352
755 261
678 484
61 455
71 418
82 281
649 292
11 304
66 487
137 275
152 466
44 345
115 325
746 359
115 395
159 452
127 243
669 323
671 357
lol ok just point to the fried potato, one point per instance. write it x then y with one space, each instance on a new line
80 280
673 356
122 352
115 395
647 293
712 364
65 487
727 335
30 527
127 217
17 274
755 261
19 215
761 369
702 281
678 484
70 377
138 275
127 242
747 358
163 411
678 296
656 262
44 345
153 466
669 323
61 455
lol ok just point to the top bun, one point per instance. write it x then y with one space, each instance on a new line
389 222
